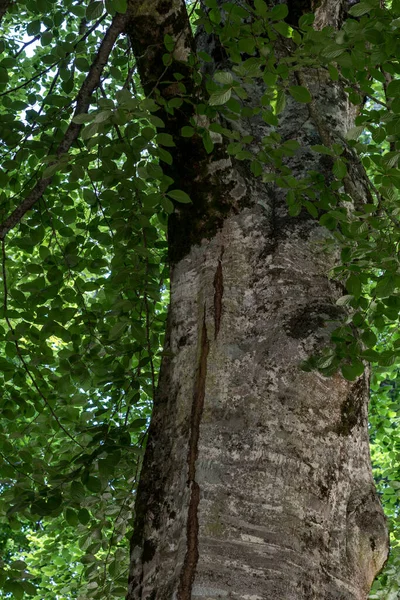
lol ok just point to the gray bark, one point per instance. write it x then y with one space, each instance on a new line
257 479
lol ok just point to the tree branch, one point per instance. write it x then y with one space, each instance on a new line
82 105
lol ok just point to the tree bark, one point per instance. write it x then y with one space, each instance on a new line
257 480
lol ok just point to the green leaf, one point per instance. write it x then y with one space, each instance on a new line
219 98
385 286
279 12
164 155
353 370
353 285
332 51
333 72
387 358
396 7
29 588
9 62
345 300
71 517
102 116
3 75
187 131
360 9
339 169
94 10
33 28
223 77
246 45
369 338
117 330
354 132
93 484
77 490
204 56
46 38
280 102
311 208
179 196
261 8
19 564
393 89
82 64
256 168
90 131
14 588
88 559
207 142
84 516
323 149
165 139
283 28
306 20
120 6
169 42
300 93
52 169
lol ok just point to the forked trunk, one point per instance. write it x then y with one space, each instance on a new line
257 478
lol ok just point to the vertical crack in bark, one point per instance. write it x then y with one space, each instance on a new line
192 530
218 293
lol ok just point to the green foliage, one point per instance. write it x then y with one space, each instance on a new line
367 227
84 276
83 300
385 442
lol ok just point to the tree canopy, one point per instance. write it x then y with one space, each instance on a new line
84 205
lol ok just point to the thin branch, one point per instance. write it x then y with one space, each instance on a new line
129 79
26 45
82 105
82 26
19 145
385 84
28 81
82 39
146 304
4 457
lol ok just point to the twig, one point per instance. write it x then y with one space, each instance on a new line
4 457
26 45
82 39
146 304
117 129
22 85
34 122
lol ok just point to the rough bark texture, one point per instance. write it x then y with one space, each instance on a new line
257 480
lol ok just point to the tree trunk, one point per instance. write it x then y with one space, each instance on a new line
257 480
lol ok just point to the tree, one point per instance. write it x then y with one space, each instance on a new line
257 477
245 451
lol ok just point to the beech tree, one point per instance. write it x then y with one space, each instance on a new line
243 155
